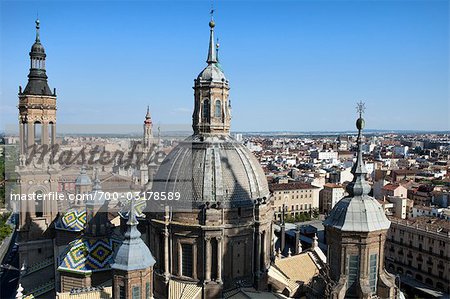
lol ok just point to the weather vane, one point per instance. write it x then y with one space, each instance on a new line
360 108
212 10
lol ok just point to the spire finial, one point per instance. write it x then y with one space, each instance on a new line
359 186
360 108
96 181
212 58
315 242
217 49
147 115
132 219
38 26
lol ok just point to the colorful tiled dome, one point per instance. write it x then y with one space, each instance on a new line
72 220
89 255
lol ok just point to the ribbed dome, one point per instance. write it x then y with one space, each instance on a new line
83 179
212 72
37 48
212 169
358 214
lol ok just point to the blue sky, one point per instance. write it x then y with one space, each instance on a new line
292 65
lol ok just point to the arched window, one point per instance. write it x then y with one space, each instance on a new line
205 109
218 109
37 132
38 204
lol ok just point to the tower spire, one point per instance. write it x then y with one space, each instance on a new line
38 26
359 185
132 219
217 49
97 185
212 57
147 115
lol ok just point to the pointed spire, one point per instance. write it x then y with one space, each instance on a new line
212 58
289 252
132 218
133 254
359 185
217 49
97 185
38 26
300 249
19 293
315 242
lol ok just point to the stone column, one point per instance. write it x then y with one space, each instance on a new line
22 137
219 259
263 251
258 253
180 263
166 253
208 258
282 237
194 261
44 134
297 247
30 134
53 142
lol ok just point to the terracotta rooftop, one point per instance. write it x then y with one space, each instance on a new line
331 185
291 186
391 187
430 224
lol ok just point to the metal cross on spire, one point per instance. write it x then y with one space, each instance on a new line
360 108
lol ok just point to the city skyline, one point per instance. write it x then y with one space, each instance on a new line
396 60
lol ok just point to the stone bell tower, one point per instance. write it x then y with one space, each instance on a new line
148 130
39 179
37 103
212 109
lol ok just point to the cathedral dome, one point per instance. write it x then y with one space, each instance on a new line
83 179
358 212
212 169
212 72
361 214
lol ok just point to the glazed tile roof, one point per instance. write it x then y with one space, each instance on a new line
89 255
72 220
